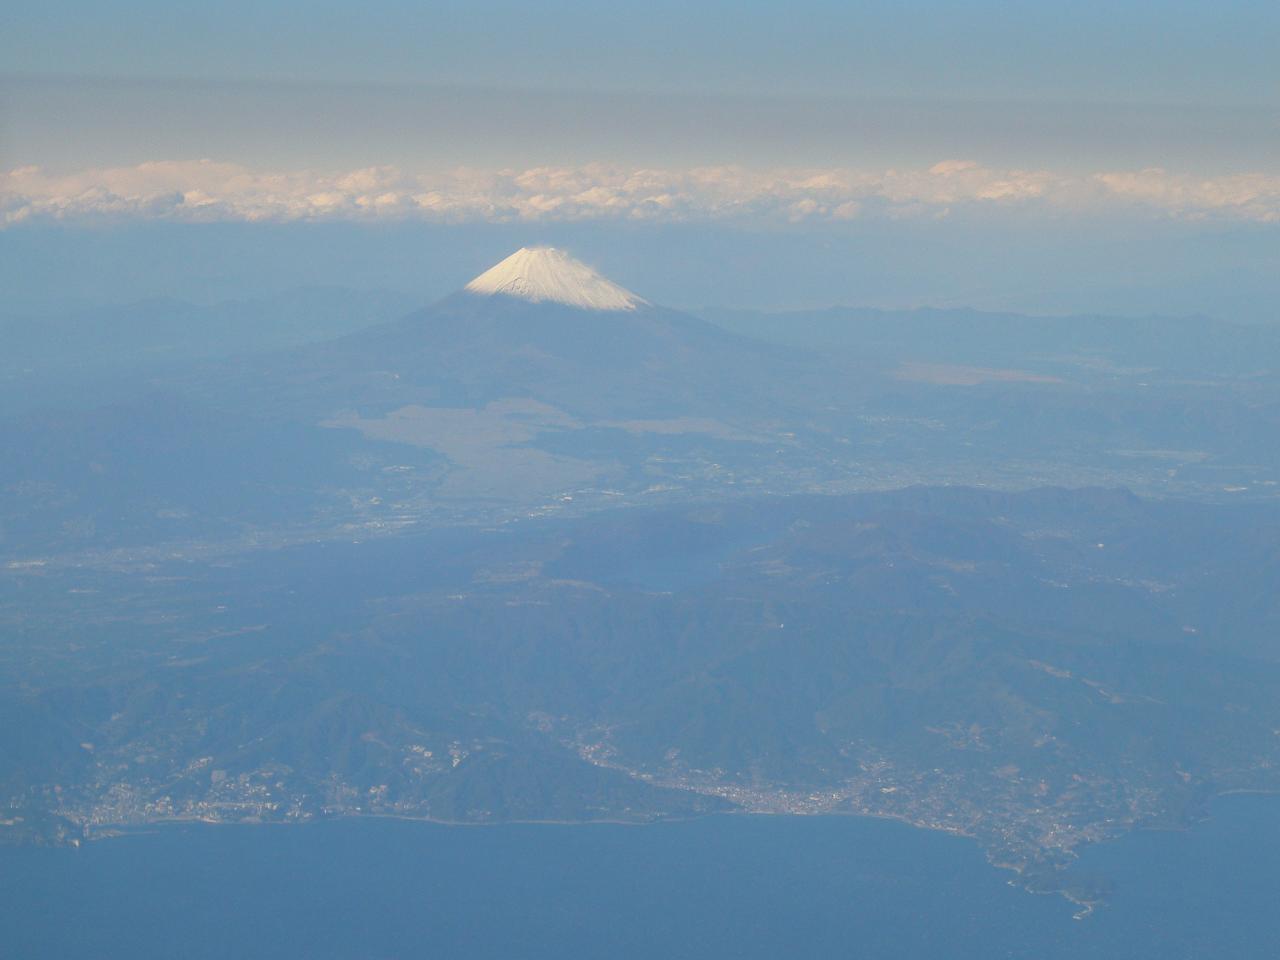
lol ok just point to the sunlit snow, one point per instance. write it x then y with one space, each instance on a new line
547 274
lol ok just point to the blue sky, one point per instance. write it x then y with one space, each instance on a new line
1168 51
321 83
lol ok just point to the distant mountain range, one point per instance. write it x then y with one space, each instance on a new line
75 358
1064 345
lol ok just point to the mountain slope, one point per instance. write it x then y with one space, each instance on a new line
531 328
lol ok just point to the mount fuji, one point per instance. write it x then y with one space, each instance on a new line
538 378
545 274
540 325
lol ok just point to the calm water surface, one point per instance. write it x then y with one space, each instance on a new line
724 887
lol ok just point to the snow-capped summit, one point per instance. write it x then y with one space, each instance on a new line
547 274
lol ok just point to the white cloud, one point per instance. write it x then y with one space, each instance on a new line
206 190
1251 196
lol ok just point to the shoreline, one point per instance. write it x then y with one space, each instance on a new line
1028 875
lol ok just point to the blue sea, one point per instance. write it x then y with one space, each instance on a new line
718 888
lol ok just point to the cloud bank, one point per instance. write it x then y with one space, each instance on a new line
207 190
